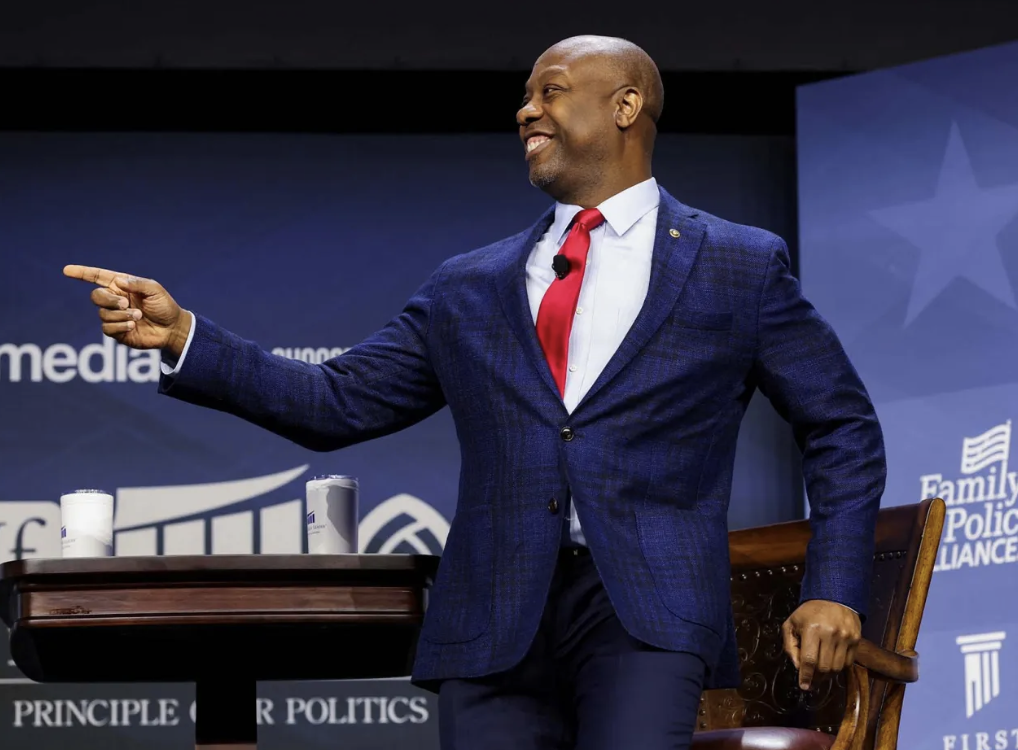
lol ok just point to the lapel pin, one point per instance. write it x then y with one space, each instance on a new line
674 233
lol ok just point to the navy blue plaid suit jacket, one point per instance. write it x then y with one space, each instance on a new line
649 462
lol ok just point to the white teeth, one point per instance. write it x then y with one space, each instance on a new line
536 141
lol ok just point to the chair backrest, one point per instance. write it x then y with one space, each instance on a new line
767 569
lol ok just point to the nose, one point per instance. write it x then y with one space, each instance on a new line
528 113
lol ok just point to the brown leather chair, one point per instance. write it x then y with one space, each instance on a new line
858 709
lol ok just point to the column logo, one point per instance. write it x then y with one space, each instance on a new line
982 669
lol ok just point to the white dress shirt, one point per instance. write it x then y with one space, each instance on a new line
614 287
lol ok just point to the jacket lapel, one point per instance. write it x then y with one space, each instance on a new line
673 257
672 260
512 291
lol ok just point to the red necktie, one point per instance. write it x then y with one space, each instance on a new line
555 316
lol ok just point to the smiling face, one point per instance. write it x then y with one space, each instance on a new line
589 118
567 122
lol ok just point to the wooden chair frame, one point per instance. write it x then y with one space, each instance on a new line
860 708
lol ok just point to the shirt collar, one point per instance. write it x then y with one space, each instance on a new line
620 212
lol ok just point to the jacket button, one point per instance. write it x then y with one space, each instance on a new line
553 505
567 434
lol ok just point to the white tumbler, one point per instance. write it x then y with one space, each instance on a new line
332 514
86 524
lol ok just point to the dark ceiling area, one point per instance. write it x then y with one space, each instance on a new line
344 101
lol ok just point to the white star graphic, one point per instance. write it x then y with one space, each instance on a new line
956 231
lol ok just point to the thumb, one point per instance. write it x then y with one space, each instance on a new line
137 285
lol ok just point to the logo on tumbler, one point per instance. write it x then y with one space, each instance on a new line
403 524
311 518
63 532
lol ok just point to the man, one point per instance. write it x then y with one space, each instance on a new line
597 367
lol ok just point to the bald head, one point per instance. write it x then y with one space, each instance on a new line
589 118
622 61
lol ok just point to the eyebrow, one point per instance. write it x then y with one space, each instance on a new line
547 73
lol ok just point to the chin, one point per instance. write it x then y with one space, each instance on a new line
542 179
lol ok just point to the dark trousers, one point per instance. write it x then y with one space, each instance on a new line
585 683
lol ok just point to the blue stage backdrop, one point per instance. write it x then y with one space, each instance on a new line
909 231
305 245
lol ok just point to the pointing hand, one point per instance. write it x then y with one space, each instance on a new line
137 312
821 637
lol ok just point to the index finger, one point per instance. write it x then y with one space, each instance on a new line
100 276
809 655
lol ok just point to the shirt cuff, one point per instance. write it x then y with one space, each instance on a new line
170 367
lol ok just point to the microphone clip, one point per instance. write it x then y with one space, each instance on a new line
561 266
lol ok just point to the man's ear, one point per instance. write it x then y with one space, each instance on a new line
628 107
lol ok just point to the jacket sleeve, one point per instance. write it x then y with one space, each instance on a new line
801 366
384 384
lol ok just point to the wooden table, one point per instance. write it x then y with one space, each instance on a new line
223 622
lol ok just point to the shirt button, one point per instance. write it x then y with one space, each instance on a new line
553 505
572 368
579 311
567 434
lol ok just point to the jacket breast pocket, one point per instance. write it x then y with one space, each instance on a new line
704 320
459 603
699 345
